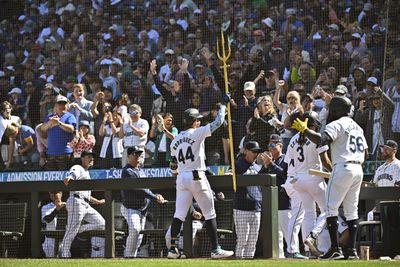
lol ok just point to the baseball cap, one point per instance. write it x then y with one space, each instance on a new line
123 52
268 22
307 96
341 89
356 35
360 69
2 74
169 52
334 26
391 144
249 86
367 7
87 153
105 61
84 123
134 150
193 113
276 138
61 98
277 50
373 80
253 146
15 90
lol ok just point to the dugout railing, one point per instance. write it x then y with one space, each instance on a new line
269 227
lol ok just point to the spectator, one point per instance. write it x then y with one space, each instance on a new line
60 127
163 132
374 120
81 107
112 146
134 131
7 145
82 141
25 139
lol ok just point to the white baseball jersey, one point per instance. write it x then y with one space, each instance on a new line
130 138
79 173
188 148
302 157
47 210
348 140
388 173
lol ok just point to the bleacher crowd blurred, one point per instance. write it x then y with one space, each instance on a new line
79 74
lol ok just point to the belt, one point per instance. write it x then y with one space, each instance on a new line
80 197
354 162
350 161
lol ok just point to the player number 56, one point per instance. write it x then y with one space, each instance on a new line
356 144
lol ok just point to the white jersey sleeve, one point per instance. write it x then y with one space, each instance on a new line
47 210
77 172
188 148
348 140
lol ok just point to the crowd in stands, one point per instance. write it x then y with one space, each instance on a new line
110 74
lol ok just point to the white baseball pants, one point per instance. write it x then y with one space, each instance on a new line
283 220
247 226
136 223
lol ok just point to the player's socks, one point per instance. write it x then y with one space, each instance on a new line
332 223
352 225
211 226
175 229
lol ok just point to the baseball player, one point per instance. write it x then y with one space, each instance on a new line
388 174
135 202
79 210
348 151
302 155
187 150
273 163
247 204
49 217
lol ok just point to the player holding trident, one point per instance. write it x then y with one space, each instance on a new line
348 152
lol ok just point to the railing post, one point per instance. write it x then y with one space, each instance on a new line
269 221
35 225
110 225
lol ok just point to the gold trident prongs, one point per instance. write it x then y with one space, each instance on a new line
224 58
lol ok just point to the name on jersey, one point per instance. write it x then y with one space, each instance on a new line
350 128
183 140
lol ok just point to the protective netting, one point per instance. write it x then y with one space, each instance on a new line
286 57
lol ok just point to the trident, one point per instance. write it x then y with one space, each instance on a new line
224 58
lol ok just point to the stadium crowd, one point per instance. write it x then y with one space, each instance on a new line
108 75
115 77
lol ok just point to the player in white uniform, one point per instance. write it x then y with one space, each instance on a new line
388 174
49 217
348 152
79 210
302 155
188 151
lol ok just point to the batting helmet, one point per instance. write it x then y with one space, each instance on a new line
340 106
190 115
313 119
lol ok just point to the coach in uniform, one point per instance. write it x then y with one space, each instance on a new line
274 163
135 202
247 204
81 216
188 151
349 150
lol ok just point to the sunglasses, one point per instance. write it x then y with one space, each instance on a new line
272 145
134 112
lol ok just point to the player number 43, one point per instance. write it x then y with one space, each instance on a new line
356 144
188 155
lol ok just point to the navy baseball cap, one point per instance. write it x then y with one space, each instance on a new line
253 146
134 150
275 138
391 144
87 152
84 123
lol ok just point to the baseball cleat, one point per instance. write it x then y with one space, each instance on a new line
333 254
220 253
296 255
173 253
351 254
311 243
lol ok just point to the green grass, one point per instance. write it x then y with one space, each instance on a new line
187 263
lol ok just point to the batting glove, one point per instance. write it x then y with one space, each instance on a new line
299 125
